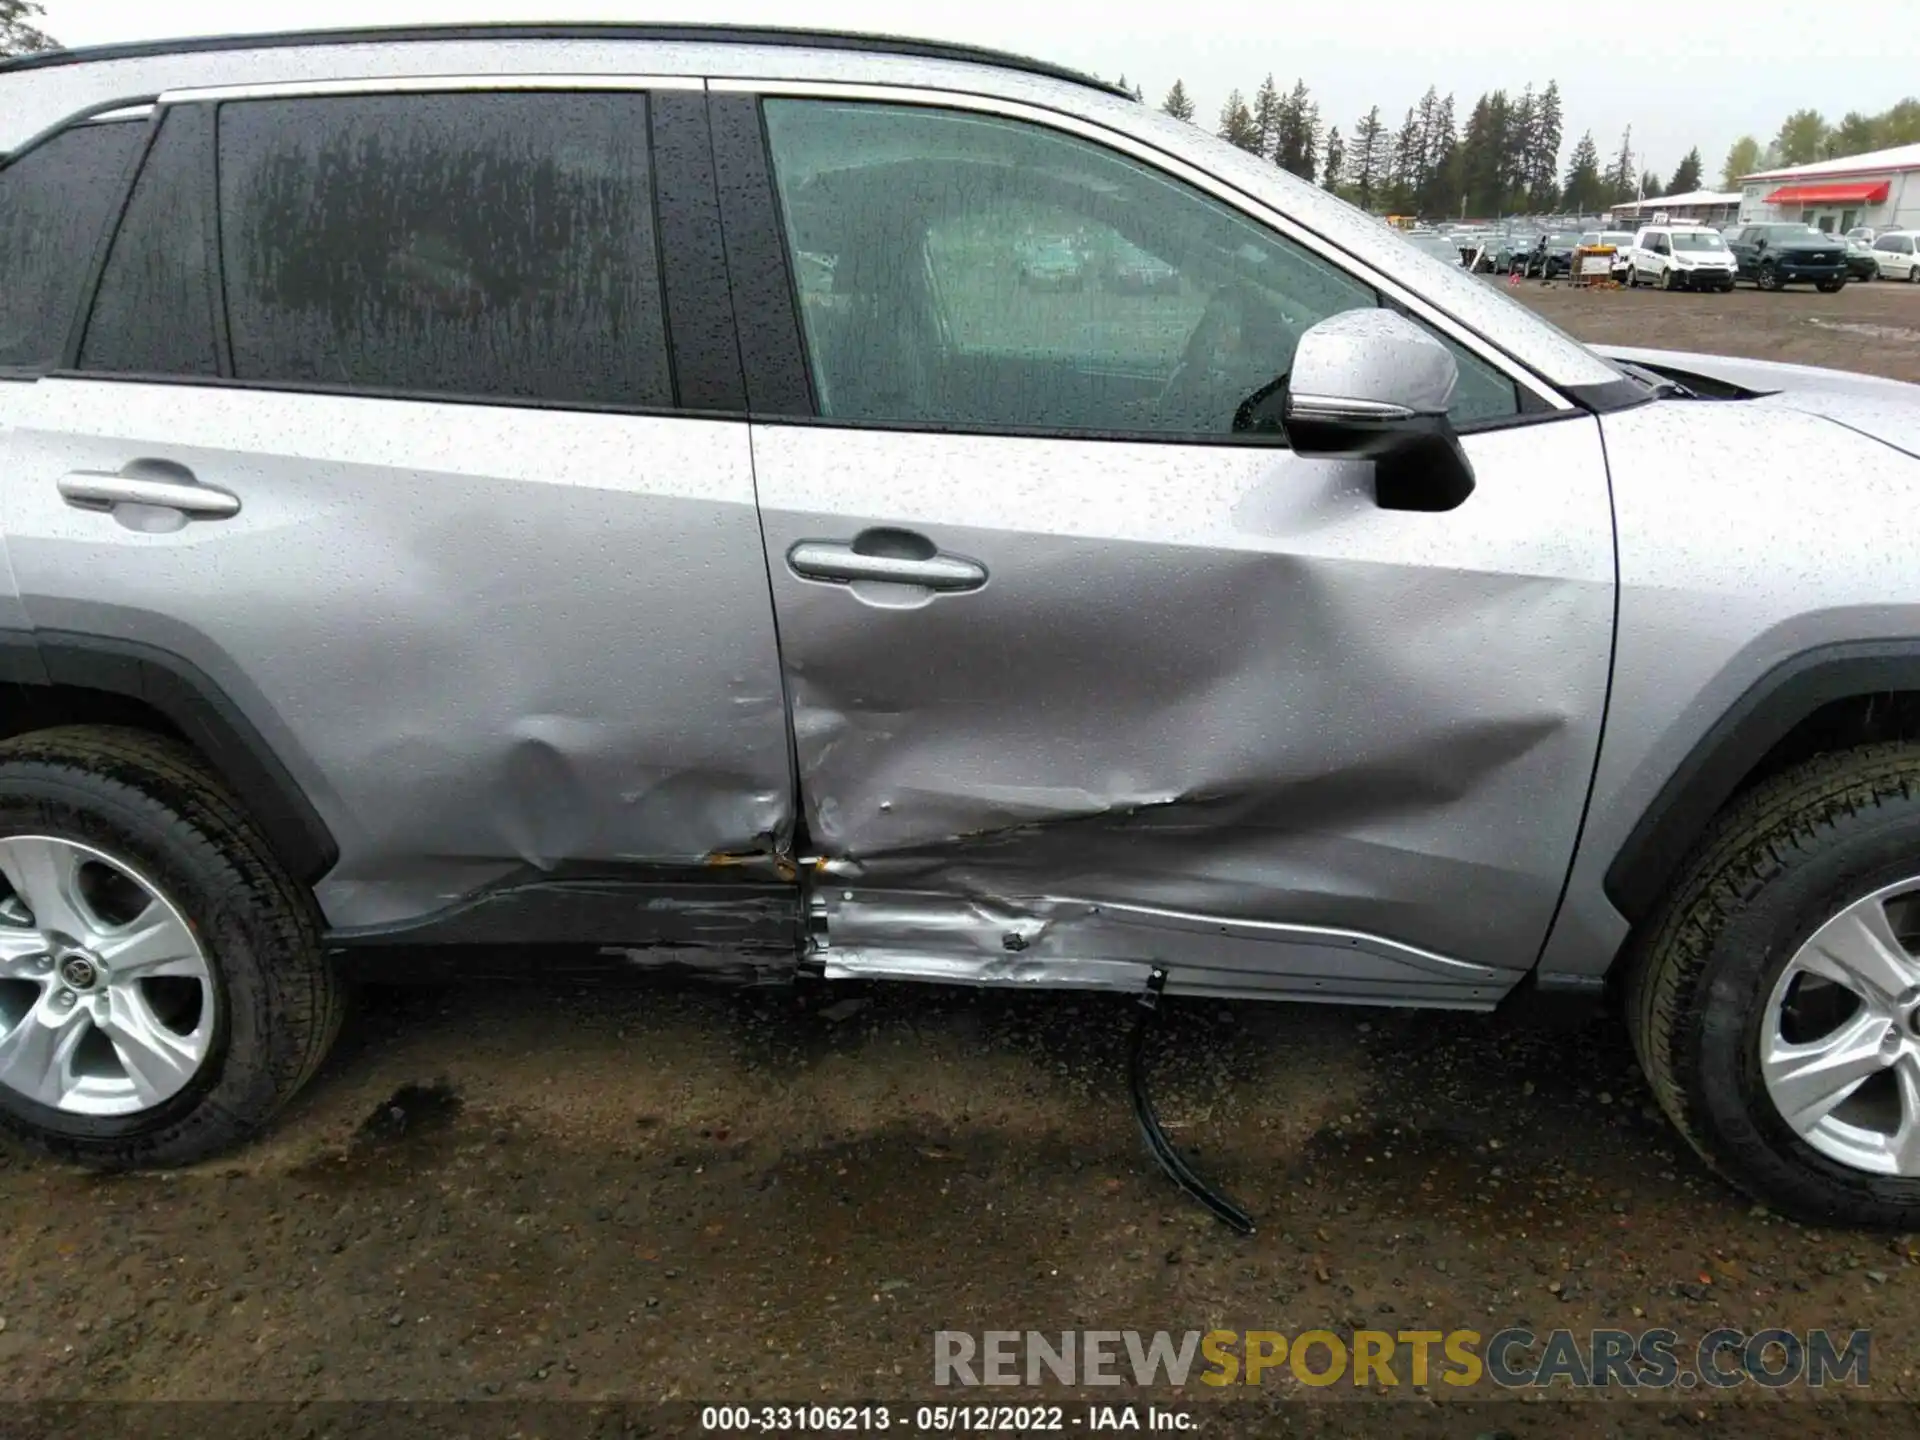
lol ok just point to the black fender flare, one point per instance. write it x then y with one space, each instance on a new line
202 712
1763 716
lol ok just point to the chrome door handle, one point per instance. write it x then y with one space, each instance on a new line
91 490
846 564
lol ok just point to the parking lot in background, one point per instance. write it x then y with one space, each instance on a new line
1870 327
652 1190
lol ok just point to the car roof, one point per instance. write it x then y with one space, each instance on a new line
735 34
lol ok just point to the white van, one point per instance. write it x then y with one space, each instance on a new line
1681 257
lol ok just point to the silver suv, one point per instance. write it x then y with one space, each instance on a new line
610 487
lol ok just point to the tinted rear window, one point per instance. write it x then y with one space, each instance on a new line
54 201
497 245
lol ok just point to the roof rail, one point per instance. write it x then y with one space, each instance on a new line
731 34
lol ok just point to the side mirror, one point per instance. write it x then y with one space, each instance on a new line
1372 385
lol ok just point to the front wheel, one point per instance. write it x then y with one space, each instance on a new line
1775 1002
1913 274
1768 278
162 988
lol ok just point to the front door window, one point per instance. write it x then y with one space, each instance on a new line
959 270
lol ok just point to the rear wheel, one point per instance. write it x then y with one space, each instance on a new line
162 989
1776 1001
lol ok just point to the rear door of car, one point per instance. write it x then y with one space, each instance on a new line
57 197
373 420
1082 679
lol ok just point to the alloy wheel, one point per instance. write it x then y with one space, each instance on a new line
1840 1037
107 1001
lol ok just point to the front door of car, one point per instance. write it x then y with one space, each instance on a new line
411 478
1084 680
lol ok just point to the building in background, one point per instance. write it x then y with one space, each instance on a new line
1704 207
1880 189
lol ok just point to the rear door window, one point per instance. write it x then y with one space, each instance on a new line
496 245
55 200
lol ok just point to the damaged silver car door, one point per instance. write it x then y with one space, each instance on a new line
1087 670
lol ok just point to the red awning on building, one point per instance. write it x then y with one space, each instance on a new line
1865 192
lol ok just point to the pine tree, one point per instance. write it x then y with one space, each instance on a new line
1517 150
1333 159
1687 175
1236 124
1427 119
1650 185
1406 165
1267 118
17 35
1440 189
1178 103
1543 178
1133 90
1620 177
1297 145
1585 190
1366 160
1484 152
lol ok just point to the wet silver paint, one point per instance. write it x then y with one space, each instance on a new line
1377 358
481 638
1211 682
1749 532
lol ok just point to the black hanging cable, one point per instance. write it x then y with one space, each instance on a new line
1169 1159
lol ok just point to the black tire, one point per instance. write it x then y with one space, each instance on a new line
1784 859
1913 274
1768 278
148 800
1831 287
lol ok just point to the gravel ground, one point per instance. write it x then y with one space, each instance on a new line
657 1190
1873 328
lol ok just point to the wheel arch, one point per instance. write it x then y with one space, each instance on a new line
1827 698
60 677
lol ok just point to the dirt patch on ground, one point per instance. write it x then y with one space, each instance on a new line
1872 328
660 1191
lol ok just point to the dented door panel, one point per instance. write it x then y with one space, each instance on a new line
483 639
1212 708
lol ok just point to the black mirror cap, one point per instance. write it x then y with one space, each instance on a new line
1418 463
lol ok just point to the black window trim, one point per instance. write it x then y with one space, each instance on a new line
686 165
746 175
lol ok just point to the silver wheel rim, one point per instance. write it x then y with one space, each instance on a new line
107 1004
1840 1050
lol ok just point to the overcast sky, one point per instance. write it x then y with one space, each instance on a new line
1706 71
